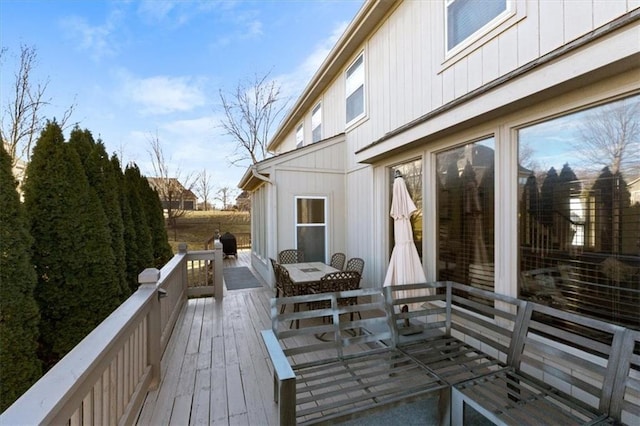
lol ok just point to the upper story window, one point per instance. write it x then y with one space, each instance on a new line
316 123
299 136
467 17
355 89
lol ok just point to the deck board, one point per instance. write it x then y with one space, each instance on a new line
215 369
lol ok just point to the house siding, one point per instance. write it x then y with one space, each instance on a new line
420 100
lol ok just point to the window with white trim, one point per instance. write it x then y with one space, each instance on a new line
355 90
316 123
311 228
467 17
299 136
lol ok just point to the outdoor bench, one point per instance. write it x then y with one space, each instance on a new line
331 368
513 361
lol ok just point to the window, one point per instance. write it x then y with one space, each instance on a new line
465 208
412 174
466 17
316 123
299 136
311 228
579 227
355 90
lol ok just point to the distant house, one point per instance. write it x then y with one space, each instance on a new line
243 201
173 193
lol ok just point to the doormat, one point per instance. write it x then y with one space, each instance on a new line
239 277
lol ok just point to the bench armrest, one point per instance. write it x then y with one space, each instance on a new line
284 383
281 367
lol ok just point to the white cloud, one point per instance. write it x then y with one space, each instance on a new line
98 40
163 94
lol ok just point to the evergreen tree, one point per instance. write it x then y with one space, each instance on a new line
72 246
162 251
130 237
103 179
144 253
19 315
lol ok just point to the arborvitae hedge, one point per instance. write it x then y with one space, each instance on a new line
104 180
72 251
162 251
144 255
19 315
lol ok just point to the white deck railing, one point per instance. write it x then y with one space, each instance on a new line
105 378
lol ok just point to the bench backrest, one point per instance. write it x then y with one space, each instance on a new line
625 401
574 354
327 329
483 319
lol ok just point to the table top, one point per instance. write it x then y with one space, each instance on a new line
308 271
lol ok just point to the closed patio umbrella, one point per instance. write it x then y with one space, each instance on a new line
405 266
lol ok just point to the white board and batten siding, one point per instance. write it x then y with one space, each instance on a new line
409 74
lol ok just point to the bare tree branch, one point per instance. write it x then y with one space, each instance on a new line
203 187
250 113
225 194
610 136
22 118
170 184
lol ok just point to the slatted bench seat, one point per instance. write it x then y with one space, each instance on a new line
332 368
563 370
459 332
513 361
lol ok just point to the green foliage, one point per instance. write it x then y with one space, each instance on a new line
130 236
144 254
72 251
19 316
162 251
104 180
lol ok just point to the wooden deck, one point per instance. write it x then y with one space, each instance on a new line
215 369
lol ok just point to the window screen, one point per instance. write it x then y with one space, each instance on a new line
465 17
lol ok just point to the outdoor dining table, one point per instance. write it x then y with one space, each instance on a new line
308 272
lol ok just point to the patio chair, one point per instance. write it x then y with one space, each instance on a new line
291 256
355 264
288 289
337 260
338 281
274 265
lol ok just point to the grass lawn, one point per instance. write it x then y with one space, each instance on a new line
196 227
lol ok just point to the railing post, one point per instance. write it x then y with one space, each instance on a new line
150 277
218 264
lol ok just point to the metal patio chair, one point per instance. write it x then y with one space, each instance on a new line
291 256
337 260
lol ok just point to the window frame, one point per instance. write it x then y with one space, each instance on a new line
362 114
324 224
516 11
299 135
316 110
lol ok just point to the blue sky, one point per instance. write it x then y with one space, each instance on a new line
140 68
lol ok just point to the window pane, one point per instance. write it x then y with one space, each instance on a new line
355 89
579 228
316 124
465 17
311 241
299 136
355 104
310 210
412 174
465 206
